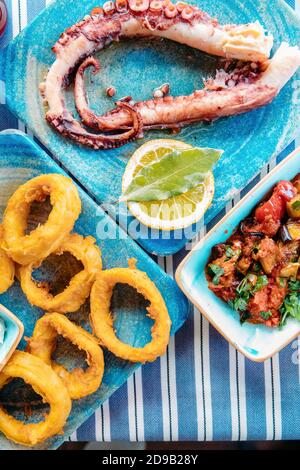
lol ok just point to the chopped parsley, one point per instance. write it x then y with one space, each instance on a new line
266 315
282 282
244 317
257 267
239 304
296 205
230 253
244 291
215 272
244 286
261 282
294 286
290 308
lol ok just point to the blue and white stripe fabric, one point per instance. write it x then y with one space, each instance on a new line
202 389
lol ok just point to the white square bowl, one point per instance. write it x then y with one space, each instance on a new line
256 342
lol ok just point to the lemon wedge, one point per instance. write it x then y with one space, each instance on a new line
177 212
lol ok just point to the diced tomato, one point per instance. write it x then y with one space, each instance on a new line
225 293
269 298
286 189
276 296
275 207
259 303
274 321
269 226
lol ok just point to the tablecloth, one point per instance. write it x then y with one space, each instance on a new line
202 389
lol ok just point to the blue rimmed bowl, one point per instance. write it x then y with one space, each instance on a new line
257 342
13 333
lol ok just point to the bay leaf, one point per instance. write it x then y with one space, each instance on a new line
175 173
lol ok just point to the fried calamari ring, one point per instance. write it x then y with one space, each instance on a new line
46 238
46 383
7 268
76 293
80 383
102 319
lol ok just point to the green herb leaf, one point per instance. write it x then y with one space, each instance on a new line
291 305
256 267
230 253
244 291
239 304
282 282
294 286
283 320
174 174
260 283
244 286
215 272
266 315
244 317
290 308
296 205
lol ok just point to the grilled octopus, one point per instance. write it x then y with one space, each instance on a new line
182 23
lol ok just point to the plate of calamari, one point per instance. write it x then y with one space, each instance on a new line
92 310
95 81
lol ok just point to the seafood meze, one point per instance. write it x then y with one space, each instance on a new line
255 81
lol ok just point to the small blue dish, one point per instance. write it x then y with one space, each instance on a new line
256 342
13 333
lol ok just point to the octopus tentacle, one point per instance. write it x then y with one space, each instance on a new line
139 18
81 100
69 127
174 112
215 101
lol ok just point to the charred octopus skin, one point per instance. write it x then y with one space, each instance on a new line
123 19
251 88
182 23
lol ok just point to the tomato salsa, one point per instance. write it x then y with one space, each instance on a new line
257 270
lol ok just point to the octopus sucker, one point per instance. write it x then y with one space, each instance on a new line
182 23
69 127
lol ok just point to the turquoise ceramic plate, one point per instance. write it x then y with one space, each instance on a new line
257 342
21 160
136 67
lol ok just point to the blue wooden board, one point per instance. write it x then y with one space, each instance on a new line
20 160
136 67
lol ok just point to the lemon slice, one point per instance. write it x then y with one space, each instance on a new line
177 212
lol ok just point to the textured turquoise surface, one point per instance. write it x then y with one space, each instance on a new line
136 67
257 342
21 160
